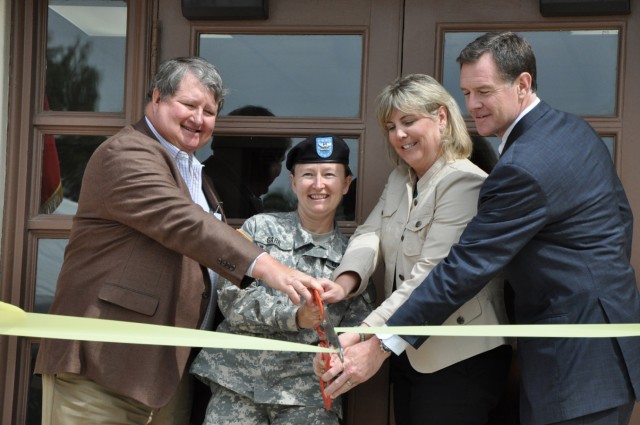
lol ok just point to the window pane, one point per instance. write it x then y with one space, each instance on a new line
291 75
569 79
86 55
610 143
250 175
63 164
50 256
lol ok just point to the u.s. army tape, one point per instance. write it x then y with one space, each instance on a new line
16 322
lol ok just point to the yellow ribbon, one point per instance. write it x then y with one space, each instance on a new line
597 330
16 322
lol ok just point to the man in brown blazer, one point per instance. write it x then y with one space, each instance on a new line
147 241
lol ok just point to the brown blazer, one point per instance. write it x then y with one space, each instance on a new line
136 251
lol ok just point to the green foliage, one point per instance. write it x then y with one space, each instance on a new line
71 84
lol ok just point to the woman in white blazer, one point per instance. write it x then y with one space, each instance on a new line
428 200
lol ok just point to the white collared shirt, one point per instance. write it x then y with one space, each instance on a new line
506 134
190 170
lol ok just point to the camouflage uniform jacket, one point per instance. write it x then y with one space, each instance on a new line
272 377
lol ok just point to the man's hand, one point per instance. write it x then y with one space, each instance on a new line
346 339
290 281
361 362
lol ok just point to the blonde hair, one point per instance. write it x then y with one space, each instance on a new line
420 93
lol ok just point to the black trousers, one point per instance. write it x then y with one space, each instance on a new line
461 394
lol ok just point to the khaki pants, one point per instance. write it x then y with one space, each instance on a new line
71 399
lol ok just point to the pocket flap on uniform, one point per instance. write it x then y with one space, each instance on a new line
127 298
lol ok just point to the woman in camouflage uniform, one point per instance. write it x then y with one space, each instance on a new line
266 387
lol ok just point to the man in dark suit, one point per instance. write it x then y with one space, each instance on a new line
552 214
146 245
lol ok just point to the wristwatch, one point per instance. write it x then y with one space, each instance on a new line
384 348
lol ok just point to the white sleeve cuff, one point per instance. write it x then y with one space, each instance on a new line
252 265
394 342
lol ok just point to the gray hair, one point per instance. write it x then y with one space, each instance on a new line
171 73
511 53
420 93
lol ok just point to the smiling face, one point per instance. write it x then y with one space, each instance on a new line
319 188
416 137
492 102
185 119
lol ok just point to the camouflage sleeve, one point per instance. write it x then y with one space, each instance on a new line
256 309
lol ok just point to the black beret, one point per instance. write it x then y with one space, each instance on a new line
319 148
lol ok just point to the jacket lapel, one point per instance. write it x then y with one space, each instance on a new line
212 196
143 128
525 123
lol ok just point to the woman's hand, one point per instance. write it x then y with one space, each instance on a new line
333 292
344 285
308 316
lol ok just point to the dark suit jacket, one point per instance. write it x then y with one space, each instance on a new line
136 250
554 215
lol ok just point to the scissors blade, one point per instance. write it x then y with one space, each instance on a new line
332 338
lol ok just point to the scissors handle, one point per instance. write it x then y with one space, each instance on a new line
325 398
318 299
323 343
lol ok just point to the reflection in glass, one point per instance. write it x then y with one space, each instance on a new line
577 70
63 163
51 183
50 256
243 167
291 75
86 44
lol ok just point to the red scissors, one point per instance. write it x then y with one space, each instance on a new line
328 338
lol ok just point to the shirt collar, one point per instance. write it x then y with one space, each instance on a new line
173 150
526 110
